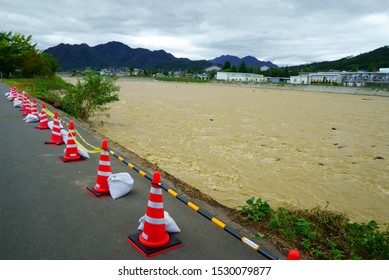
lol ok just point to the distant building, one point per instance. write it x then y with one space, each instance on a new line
204 76
343 78
240 77
329 77
301 79
384 70
278 79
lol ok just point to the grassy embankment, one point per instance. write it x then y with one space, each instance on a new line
316 233
48 90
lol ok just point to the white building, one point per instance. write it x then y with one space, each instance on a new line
309 78
302 79
342 78
329 77
240 77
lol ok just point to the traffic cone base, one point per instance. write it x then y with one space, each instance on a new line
54 143
91 190
40 128
148 252
64 159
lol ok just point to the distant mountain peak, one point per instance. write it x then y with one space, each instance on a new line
248 60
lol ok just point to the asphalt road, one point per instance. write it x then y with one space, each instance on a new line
45 212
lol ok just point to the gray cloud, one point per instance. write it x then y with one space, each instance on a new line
282 31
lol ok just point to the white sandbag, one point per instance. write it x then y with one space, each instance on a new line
18 103
170 224
83 153
50 124
31 118
120 184
64 134
7 94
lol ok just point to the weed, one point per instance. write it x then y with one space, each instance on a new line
255 209
319 234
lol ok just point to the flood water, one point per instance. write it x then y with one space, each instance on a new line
300 149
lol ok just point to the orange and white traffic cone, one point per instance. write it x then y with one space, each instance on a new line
34 109
154 239
27 106
23 95
43 122
56 137
13 94
101 188
71 152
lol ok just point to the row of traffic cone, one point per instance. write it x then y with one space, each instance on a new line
154 238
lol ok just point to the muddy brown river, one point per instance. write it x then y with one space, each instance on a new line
292 148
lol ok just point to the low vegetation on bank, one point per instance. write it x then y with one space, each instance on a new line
316 233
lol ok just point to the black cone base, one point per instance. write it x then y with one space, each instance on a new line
91 191
54 143
81 158
133 239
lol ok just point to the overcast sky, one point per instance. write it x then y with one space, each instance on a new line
286 32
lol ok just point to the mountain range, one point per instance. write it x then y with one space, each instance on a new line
117 54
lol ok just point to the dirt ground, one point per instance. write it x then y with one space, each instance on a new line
293 148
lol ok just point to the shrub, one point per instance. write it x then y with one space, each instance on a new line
91 96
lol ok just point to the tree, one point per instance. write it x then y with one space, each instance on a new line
38 64
227 65
242 67
91 96
17 52
13 51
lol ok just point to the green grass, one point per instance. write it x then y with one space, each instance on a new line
45 89
317 233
